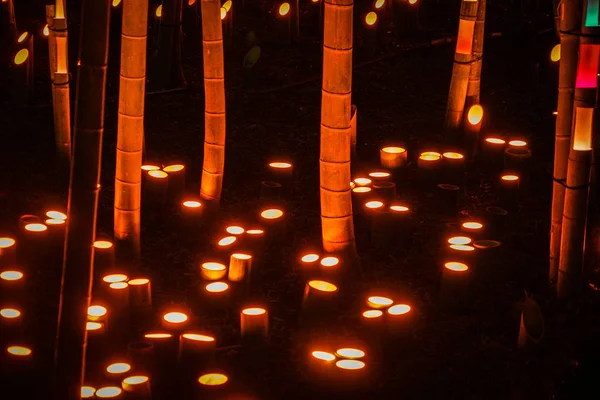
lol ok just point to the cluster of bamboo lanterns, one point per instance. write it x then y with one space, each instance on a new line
385 317
162 186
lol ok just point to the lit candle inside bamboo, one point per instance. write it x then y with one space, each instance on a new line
12 283
212 384
492 150
18 358
191 220
398 318
360 196
455 281
8 251
88 392
509 190
239 267
213 271
254 322
428 166
109 392
117 368
165 348
473 127
380 175
175 320
393 157
196 351
379 302
371 207
472 228
282 173
361 181
320 298
118 296
322 363
137 387
216 295
464 253
34 245
453 164
140 293
176 182
252 242
97 313
518 159
10 317
155 188
273 220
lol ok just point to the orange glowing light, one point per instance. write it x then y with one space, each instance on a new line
213 379
362 181
399 309
213 266
174 168
23 36
323 286
113 278
379 4
310 258
254 311
175 317
158 12
510 178
349 352
464 41
108 392
255 231
472 225
430 156
372 314
118 368
216 287
494 140
323 355
412 2
96 311
36 227
103 244
374 204
87 392
6 242
555 53
330 261
10 313
462 247
371 18
460 240
139 281
235 230
272 213
118 285
93 326
284 9
55 221
191 2
20 351
456 266
46 30
280 165
21 56
223 13
192 204
517 143
582 132
361 189
399 208
379 301
115 3
158 335
241 256
226 241
378 174
198 338
475 114
11 275
56 215
150 167
158 174
393 150
453 155
227 5
350 364
135 380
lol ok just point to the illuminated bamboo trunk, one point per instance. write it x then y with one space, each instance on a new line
83 200
474 85
336 108
61 99
569 46
7 12
214 99
130 130
570 267
461 67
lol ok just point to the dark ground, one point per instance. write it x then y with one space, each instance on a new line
401 96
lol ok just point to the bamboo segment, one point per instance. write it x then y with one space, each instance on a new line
474 85
462 66
214 108
61 99
130 130
83 200
7 13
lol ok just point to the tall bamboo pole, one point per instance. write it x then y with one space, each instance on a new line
336 109
83 200
61 99
7 11
51 41
130 130
214 102
474 85
462 67
570 22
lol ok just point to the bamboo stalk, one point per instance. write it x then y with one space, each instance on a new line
336 108
83 199
61 100
51 42
570 22
7 11
461 68
474 85
130 131
214 102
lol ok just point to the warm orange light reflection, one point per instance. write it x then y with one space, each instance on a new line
139 281
284 9
108 392
174 168
20 351
23 36
192 204
158 335
456 266
115 3
361 189
462 247
55 221
118 368
379 301
56 215
280 165
158 12
472 225
372 314
226 241
254 311
11 275
517 143
460 240
371 18
412 2
10 313
135 380
36 227
349 352
374 204
379 174
555 53
475 114
115 278
150 167
494 140
158 174
21 56
310 258
272 213
175 317
393 150
213 379
255 231
87 392
323 355
330 261
398 309
379 4
118 285
6 242
223 12
323 286
96 311
430 156
362 181
93 326
235 230
350 364
102 244
213 266
227 5
46 30
453 155
199 338
510 178
216 287
399 208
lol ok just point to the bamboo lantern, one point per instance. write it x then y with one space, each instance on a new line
570 269
140 300
455 281
461 67
109 392
464 253
380 175
336 114
8 251
34 245
472 127
130 130
88 392
370 23
446 199
165 350
492 151
254 323
21 70
321 364
360 196
570 21
216 296
175 321
10 318
12 284
191 222
474 85
212 385
176 182
283 17
141 354
214 95
401 218
117 295
56 240
398 318
453 165
196 351
239 267
428 166
282 173
18 360
104 257
156 189
309 264
137 387
393 157
473 229
212 271
509 190
318 303
384 190
273 219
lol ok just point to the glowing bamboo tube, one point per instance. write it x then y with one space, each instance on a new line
140 293
196 351
455 281
321 363
360 196
34 245
472 228
509 190
12 282
453 165
282 173
273 219
464 253
165 348
192 212
175 321
176 182
10 318
22 81
216 296
461 67
392 157
428 166
137 387
254 323
472 126
155 188
239 266
398 318
18 359
88 392
109 392
380 175
319 301
118 296
212 271
8 251
492 150
104 257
